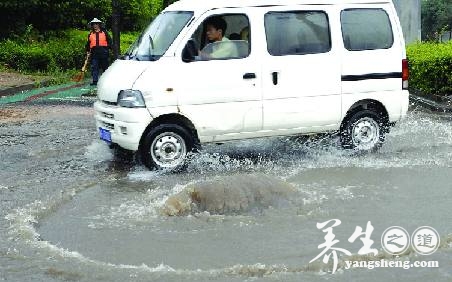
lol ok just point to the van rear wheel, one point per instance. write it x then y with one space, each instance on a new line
364 131
166 147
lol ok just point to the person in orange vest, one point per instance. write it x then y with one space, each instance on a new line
98 45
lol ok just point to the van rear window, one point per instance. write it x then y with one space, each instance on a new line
297 32
366 29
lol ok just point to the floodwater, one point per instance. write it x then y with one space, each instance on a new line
243 211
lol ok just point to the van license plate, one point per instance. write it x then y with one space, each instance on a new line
105 135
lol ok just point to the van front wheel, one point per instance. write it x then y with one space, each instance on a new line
364 131
166 147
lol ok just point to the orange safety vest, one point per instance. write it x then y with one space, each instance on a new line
102 39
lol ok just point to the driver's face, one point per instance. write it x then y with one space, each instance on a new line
213 34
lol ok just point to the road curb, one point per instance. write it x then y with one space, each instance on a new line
50 92
68 91
9 91
16 89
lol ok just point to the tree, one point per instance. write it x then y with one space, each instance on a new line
47 15
116 18
166 3
436 17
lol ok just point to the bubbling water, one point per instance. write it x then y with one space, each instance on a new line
230 195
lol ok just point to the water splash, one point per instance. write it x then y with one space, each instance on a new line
98 151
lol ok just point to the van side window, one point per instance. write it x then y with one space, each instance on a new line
297 33
233 43
366 29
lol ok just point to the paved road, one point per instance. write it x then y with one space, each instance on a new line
71 210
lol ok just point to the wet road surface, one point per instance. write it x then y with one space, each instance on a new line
72 210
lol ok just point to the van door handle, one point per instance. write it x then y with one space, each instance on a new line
249 75
275 77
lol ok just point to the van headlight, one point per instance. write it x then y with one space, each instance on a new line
131 99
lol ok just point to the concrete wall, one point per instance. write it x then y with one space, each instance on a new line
409 12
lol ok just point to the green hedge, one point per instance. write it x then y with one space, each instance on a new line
60 51
431 68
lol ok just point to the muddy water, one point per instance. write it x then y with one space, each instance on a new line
71 210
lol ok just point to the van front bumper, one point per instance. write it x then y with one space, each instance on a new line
126 125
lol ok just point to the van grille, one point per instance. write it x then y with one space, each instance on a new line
108 125
107 115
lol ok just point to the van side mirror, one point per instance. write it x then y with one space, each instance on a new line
190 51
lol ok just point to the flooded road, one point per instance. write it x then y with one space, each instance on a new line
243 211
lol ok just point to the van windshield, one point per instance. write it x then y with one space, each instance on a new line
158 36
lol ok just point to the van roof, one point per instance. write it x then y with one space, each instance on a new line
190 5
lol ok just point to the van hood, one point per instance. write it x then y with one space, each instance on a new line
121 75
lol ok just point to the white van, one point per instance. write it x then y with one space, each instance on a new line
291 67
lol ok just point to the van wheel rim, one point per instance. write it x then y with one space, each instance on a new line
365 133
168 150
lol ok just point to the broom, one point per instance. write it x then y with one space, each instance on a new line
79 77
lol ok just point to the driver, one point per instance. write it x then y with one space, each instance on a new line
215 31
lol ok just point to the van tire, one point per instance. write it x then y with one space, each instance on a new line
166 147
363 131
